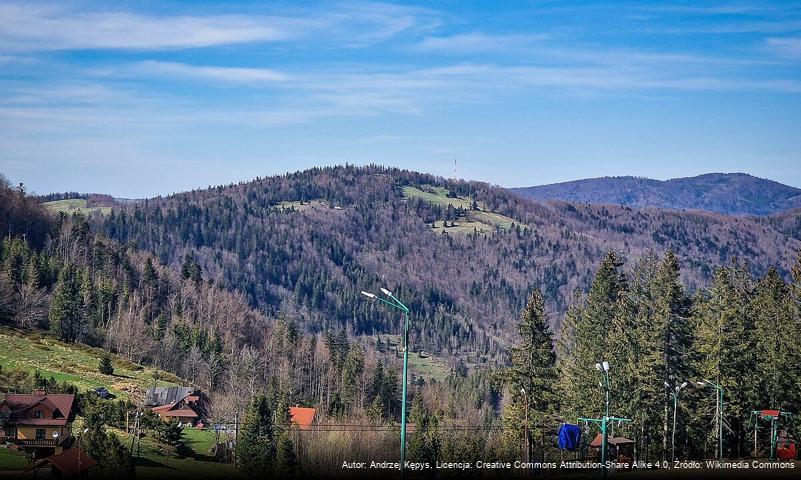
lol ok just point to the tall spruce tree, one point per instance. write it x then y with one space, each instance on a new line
776 335
590 331
533 369
66 312
255 448
724 353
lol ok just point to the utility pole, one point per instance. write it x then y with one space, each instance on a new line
395 303
719 399
675 394
525 427
236 434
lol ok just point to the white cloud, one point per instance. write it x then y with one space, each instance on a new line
790 47
51 27
477 42
29 27
224 74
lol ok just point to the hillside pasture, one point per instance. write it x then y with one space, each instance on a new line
74 204
73 363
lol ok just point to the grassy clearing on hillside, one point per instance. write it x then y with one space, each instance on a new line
476 221
73 204
11 460
73 363
462 227
427 367
438 197
303 206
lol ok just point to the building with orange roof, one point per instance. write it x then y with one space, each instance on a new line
303 417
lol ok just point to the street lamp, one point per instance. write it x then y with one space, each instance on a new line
395 303
525 430
80 437
719 389
603 367
675 393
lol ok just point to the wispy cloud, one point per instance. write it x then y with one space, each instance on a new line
224 74
52 27
32 27
477 42
789 46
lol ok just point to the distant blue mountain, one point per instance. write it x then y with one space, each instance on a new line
729 193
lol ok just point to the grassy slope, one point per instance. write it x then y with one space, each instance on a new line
69 206
480 221
77 364
150 464
428 367
73 363
11 460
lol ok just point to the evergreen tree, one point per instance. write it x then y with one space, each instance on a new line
722 321
589 333
113 459
286 461
66 319
255 448
105 366
533 369
777 353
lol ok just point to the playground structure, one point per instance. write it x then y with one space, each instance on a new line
775 417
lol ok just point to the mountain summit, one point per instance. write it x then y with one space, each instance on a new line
729 193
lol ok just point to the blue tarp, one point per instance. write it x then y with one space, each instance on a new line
569 437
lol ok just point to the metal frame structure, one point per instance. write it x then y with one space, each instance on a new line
604 421
774 417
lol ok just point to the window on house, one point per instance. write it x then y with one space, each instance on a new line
8 431
38 414
40 433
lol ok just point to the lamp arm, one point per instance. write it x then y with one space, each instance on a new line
398 303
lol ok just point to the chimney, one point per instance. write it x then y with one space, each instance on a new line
40 392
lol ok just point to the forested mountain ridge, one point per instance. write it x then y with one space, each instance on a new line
732 193
307 243
644 318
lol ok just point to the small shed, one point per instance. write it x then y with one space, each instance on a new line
621 449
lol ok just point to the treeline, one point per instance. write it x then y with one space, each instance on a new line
21 215
52 197
742 333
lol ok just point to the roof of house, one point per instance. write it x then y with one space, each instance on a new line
157 396
20 404
616 441
70 462
301 416
178 409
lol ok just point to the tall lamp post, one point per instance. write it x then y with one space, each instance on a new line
604 368
395 303
675 393
719 389
604 422
525 429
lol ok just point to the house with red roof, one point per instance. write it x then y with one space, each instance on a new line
302 416
39 423
72 463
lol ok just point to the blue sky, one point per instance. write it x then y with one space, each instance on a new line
144 98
